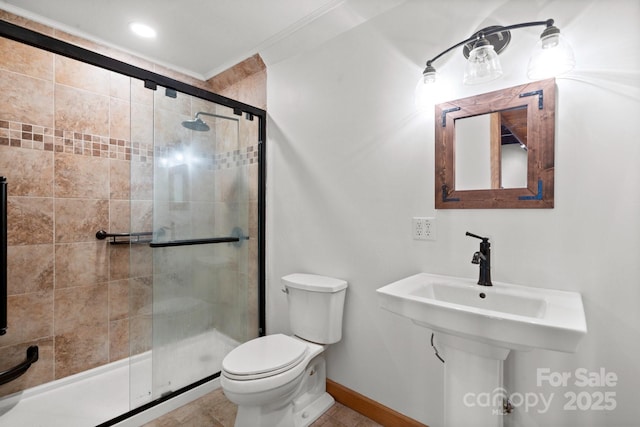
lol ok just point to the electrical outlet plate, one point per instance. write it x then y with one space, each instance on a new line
424 228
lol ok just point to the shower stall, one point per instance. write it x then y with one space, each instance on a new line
155 247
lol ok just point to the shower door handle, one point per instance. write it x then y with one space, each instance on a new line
191 242
3 255
237 236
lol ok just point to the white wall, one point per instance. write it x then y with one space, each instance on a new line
350 161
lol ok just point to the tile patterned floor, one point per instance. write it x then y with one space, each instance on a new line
215 410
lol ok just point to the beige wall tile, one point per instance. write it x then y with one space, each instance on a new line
141 181
118 299
28 172
81 111
81 328
80 350
141 215
142 123
80 75
81 264
120 175
119 262
226 135
120 86
30 220
231 185
202 184
141 261
81 176
253 176
78 220
119 125
118 339
251 90
140 331
179 76
140 94
104 50
120 217
141 295
29 317
179 106
26 99
249 132
29 268
24 59
236 74
168 129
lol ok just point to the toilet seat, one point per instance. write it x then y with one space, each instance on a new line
264 357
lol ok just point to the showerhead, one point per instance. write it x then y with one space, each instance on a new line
199 125
196 124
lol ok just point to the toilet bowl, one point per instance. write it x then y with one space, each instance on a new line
279 380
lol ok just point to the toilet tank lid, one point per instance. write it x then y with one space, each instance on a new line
314 282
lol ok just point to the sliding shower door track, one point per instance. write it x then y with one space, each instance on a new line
158 401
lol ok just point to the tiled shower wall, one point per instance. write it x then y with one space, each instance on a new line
66 148
66 151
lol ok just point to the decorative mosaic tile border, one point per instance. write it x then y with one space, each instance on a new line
24 135
229 159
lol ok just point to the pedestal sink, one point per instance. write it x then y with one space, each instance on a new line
476 327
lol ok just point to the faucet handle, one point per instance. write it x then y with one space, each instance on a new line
484 239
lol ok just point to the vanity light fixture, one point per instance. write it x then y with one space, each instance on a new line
552 55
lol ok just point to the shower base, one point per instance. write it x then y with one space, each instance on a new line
98 395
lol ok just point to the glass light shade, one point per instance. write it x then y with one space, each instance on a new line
429 77
483 65
551 57
423 97
425 88
429 94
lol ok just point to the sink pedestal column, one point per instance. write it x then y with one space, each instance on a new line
472 382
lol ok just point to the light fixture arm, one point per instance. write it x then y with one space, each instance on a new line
481 34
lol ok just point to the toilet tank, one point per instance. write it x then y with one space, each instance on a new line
315 306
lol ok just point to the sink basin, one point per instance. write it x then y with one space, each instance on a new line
503 315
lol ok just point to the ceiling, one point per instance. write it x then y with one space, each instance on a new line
203 37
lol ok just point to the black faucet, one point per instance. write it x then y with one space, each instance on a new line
483 257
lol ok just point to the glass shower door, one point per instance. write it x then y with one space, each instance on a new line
204 246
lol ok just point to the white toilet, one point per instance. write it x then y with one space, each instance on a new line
279 380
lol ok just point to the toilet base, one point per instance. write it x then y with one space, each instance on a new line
308 415
309 402
256 416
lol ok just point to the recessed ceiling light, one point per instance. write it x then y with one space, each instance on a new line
142 30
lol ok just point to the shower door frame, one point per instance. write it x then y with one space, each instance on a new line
151 81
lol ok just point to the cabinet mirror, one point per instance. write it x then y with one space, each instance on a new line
496 150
